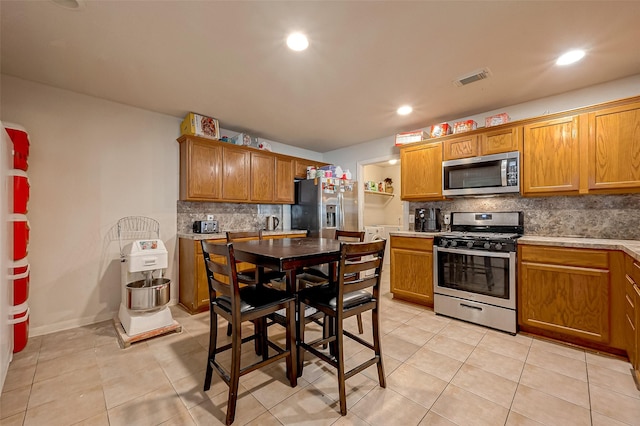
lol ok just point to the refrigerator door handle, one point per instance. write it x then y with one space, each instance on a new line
341 211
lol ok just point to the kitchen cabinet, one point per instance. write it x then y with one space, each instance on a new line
565 293
194 290
236 173
284 191
614 149
271 179
550 158
200 169
300 167
632 313
421 171
485 142
500 140
263 177
462 147
211 170
412 269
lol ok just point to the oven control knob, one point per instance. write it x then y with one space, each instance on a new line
487 246
470 244
454 243
498 246
443 243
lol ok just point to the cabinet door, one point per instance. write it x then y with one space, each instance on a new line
263 177
614 148
421 172
284 190
200 170
502 140
235 174
567 300
463 147
412 269
551 157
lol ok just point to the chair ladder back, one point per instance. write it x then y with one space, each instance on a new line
227 270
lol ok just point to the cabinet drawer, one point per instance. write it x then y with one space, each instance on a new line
421 244
565 256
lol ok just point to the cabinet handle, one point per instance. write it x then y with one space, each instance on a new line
464 305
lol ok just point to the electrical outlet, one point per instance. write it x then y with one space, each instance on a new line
447 218
412 218
209 217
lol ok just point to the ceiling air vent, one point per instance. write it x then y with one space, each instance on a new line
472 77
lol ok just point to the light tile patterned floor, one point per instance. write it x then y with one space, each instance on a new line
439 372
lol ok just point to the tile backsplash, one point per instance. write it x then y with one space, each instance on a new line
230 216
594 216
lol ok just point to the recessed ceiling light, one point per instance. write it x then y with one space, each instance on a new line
392 162
570 57
70 4
297 41
405 110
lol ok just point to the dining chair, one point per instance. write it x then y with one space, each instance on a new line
353 236
342 299
237 305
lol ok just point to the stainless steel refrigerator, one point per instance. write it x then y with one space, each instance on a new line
324 205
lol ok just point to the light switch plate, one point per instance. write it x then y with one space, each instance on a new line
447 218
412 218
209 217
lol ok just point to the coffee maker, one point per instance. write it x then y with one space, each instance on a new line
427 220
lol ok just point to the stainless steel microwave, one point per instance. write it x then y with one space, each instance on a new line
490 174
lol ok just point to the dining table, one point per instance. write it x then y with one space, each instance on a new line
289 255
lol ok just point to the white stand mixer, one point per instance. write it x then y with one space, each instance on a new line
144 310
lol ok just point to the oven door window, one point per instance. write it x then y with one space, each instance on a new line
478 274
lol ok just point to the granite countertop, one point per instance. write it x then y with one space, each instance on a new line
415 234
223 235
631 247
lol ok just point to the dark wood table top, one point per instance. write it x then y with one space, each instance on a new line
288 254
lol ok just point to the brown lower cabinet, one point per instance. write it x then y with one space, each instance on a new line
632 313
194 292
572 295
412 269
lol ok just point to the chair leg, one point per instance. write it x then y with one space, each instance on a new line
375 319
213 336
292 359
229 329
300 338
234 372
339 354
360 328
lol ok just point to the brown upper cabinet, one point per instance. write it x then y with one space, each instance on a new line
614 149
550 160
217 171
487 142
421 171
300 167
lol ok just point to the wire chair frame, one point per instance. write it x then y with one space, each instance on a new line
136 228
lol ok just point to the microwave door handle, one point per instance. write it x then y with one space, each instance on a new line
503 172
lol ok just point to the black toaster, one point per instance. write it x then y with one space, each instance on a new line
205 226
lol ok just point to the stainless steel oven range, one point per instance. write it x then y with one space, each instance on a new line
475 269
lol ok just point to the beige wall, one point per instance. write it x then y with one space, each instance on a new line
91 162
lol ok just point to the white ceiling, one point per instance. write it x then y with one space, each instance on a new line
229 60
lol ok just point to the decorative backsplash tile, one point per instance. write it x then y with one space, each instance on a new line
230 216
594 216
